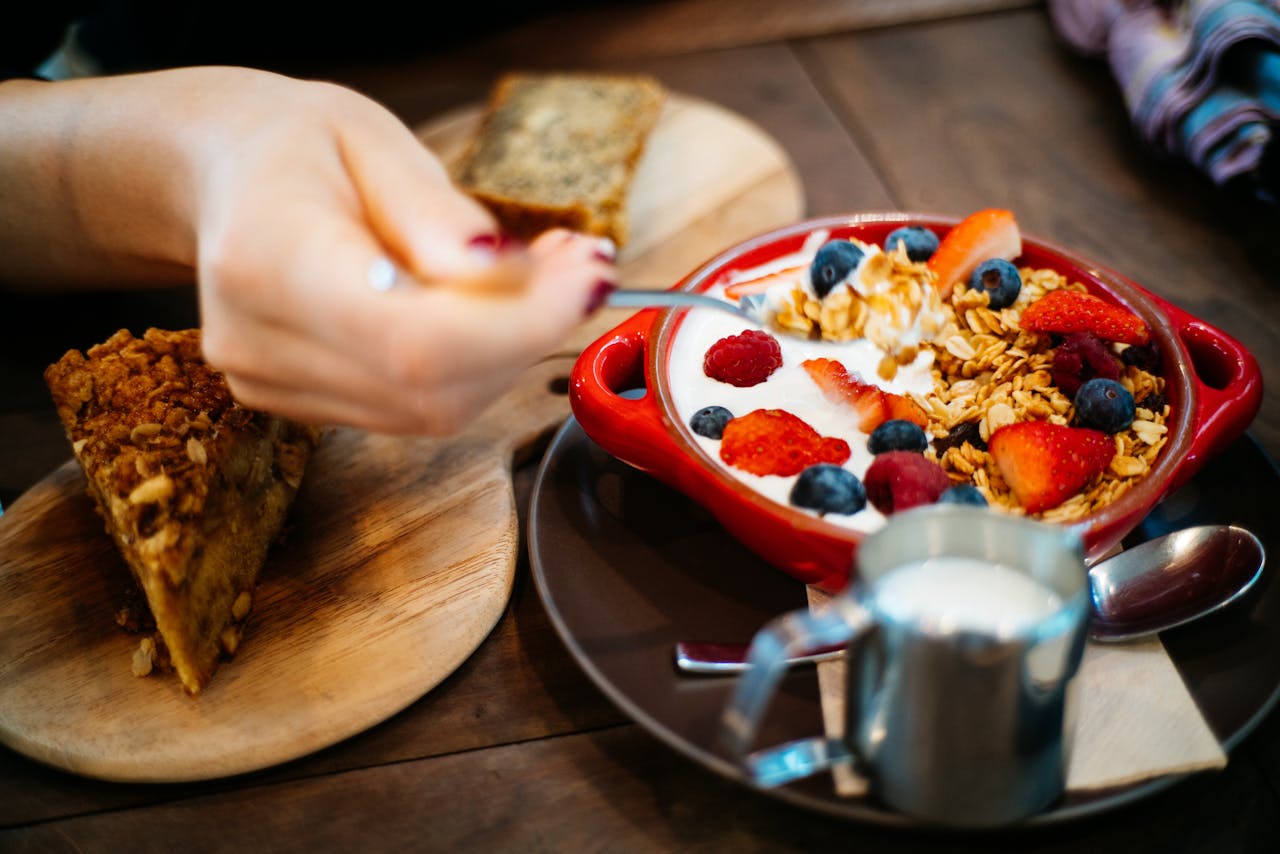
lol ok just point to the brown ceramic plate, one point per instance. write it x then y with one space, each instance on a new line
627 566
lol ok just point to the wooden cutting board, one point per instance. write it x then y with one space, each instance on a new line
401 555
398 563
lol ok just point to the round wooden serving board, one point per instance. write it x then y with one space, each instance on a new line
399 560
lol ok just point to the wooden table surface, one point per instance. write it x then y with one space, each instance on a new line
929 106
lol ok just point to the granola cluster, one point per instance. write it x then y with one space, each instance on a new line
988 372
893 304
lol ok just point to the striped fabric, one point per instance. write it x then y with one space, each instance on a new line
1200 78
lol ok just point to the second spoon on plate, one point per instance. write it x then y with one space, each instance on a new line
1154 586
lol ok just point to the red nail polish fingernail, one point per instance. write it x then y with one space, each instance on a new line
493 243
599 294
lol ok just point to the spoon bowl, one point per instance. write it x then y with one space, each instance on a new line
1162 583
1172 580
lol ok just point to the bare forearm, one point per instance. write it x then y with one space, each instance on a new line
96 183
286 201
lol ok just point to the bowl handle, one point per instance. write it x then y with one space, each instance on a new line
1228 385
633 429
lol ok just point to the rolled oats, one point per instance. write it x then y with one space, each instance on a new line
891 306
988 371
959 347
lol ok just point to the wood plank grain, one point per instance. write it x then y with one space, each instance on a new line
954 125
612 31
768 84
615 789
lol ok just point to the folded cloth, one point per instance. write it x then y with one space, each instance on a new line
1086 24
1200 78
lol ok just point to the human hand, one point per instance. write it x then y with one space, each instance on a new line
308 196
290 202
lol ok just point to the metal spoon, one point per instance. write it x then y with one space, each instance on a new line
1147 589
750 308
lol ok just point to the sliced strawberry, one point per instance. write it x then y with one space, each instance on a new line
905 408
990 233
773 441
840 387
1045 464
1064 312
873 404
760 284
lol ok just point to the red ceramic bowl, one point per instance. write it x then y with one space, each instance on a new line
1213 386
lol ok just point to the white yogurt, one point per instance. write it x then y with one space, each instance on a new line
790 387
952 593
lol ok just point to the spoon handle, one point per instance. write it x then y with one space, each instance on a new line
645 298
723 658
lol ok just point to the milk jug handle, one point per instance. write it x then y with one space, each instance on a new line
794 633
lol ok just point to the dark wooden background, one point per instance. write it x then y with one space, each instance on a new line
939 107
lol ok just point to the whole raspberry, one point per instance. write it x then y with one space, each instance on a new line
1082 357
900 480
745 359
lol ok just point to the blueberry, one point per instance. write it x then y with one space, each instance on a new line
1000 279
963 493
709 421
897 434
920 242
1104 405
834 260
829 488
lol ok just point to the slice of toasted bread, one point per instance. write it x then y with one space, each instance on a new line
561 149
193 487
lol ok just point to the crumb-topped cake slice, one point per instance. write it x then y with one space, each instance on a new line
193 487
561 149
